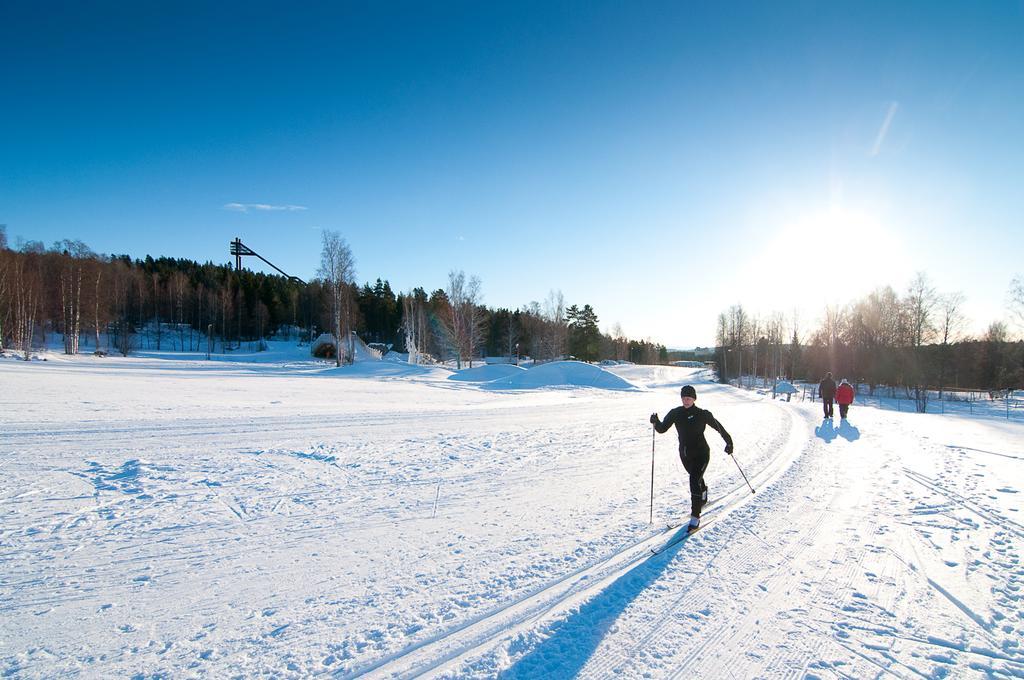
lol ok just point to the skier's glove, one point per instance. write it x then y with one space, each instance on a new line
728 449
654 418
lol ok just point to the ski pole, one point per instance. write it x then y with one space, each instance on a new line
652 433
741 472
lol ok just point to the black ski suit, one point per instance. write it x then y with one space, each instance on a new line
693 447
827 390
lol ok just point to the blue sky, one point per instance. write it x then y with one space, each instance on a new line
660 161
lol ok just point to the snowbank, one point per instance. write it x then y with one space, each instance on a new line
487 373
562 374
783 387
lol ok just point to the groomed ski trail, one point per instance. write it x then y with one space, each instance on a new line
442 653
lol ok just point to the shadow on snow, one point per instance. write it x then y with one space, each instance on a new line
827 431
573 640
847 431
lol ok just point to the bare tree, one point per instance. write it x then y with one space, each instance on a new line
739 329
200 320
477 317
121 287
452 322
26 280
951 324
156 307
1017 299
620 342
411 327
556 331
5 267
71 303
921 301
464 319
874 334
4 287
226 302
178 289
415 325
776 335
338 271
293 302
73 256
920 305
755 334
94 275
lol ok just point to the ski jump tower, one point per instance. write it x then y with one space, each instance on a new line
240 250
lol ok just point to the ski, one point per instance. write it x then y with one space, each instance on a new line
681 522
675 525
676 540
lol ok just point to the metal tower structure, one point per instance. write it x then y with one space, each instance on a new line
240 250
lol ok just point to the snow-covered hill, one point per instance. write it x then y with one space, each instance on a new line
166 517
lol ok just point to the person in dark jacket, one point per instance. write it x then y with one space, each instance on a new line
827 390
690 421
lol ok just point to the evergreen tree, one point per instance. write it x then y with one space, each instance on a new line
584 334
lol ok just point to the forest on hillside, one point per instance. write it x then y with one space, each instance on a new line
113 303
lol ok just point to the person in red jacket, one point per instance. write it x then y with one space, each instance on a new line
844 397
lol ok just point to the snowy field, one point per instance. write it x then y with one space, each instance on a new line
266 516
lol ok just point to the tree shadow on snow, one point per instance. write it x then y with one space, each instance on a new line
847 431
826 430
573 640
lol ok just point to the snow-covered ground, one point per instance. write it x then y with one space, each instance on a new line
263 515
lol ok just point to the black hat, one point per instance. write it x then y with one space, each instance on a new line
688 391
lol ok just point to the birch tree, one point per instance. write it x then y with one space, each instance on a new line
477 317
463 320
951 325
338 271
95 277
4 278
1017 299
920 305
73 256
556 329
27 284
415 325
178 289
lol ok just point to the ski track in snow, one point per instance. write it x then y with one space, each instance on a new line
237 522
830 593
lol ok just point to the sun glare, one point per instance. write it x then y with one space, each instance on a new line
828 257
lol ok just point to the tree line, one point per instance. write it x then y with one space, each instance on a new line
916 341
113 303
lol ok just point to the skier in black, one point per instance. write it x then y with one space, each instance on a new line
827 390
694 451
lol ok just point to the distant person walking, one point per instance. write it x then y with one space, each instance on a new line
827 391
694 451
844 397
